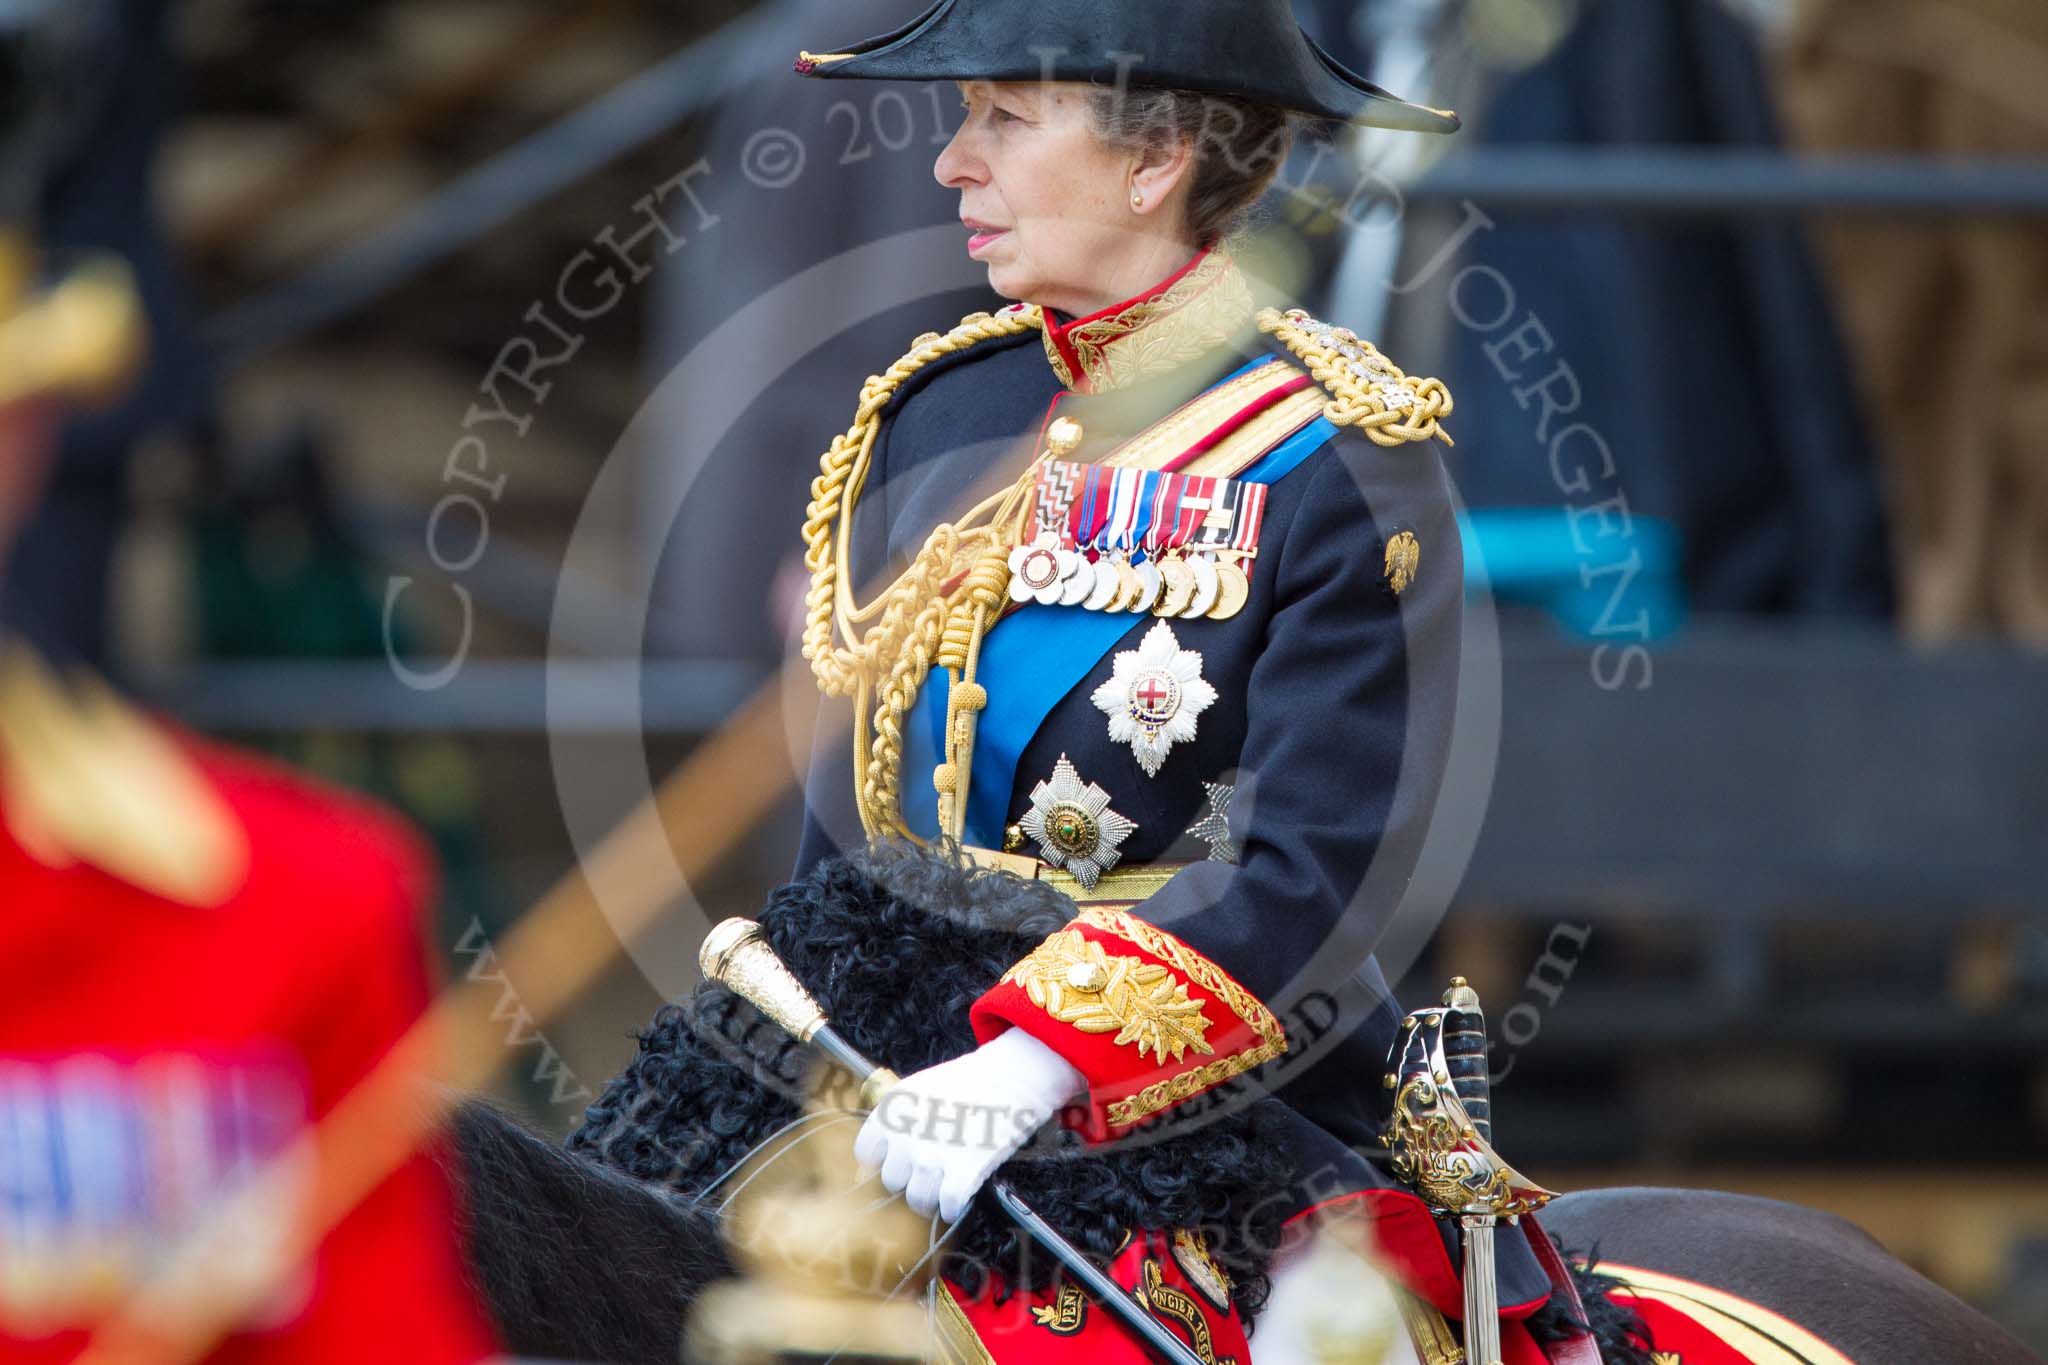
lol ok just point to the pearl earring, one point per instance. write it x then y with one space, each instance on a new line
1137 201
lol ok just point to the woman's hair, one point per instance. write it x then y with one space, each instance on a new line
1239 146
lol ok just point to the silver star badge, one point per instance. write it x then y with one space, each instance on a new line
1154 696
1073 825
1213 829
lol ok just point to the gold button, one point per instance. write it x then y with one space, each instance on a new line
1087 977
1063 437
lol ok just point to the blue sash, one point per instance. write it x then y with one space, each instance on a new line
1031 658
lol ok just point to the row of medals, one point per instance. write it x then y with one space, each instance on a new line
1178 583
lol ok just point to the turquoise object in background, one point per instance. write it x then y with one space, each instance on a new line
1623 584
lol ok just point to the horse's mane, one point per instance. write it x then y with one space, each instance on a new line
576 1261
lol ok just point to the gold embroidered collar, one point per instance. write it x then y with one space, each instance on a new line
1191 311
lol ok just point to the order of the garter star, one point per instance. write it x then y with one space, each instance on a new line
1154 696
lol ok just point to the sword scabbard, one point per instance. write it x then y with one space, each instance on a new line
1482 1295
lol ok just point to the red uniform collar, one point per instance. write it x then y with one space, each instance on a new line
1189 312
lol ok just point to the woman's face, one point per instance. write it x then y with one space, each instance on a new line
1049 205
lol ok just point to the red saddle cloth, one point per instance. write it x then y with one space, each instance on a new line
1696 1324
1686 1323
153 1055
1192 1296
1186 1290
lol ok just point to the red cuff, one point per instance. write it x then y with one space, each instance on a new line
1148 1020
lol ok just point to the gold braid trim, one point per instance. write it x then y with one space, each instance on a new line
1366 390
954 1340
1210 977
915 623
1076 981
1432 1336
1174 1089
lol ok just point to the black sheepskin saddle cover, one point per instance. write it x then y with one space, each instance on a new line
896 942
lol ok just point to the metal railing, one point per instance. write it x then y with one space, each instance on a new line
1643 180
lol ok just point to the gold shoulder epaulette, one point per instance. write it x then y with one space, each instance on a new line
1366 390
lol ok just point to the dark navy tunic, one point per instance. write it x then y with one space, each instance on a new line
1333 717
1334 706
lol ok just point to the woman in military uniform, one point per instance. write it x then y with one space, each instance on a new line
1149 595
1147 591
1194 659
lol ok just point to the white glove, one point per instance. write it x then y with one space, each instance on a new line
938 1135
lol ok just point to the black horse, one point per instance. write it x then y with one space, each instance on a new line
595 1251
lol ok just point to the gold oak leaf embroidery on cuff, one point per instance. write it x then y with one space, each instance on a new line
1076 982
1211 978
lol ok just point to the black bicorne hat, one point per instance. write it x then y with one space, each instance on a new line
1250 48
